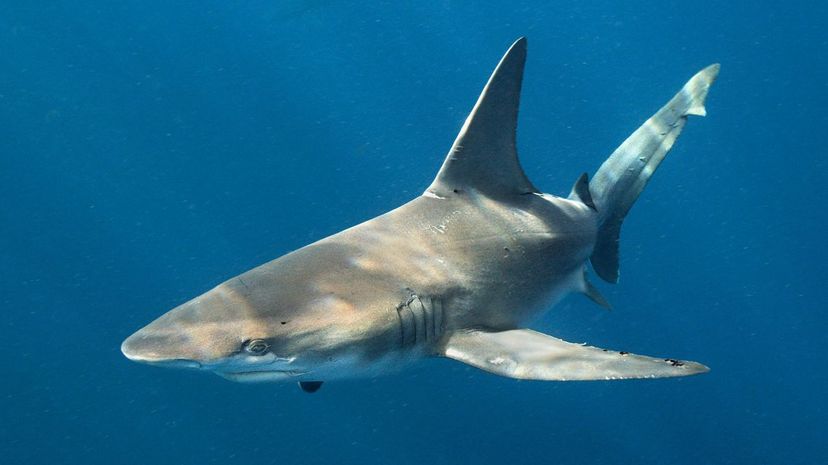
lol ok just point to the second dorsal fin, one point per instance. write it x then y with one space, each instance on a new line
484 157
580 191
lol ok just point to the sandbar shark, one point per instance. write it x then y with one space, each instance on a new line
459 272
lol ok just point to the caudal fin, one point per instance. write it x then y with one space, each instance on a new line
621 178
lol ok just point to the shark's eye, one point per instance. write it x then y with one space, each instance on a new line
255 347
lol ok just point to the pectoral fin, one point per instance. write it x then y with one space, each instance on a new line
527 354
310 386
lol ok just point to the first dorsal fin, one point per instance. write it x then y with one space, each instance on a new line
484 157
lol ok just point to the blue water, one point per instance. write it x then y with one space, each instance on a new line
150 150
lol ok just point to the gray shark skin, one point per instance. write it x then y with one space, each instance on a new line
458 272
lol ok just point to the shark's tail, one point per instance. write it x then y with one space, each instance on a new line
622 177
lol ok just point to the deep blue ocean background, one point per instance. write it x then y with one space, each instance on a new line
150 150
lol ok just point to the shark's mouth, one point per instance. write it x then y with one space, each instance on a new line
260 376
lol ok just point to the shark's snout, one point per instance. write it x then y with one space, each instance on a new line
184 337
155 349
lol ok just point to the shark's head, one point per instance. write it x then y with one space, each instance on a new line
250 330
219 331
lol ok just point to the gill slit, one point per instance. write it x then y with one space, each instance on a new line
420 319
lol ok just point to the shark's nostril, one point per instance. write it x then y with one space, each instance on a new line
182 364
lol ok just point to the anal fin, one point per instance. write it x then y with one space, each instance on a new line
527 354
594 294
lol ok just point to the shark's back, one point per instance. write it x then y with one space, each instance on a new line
482 255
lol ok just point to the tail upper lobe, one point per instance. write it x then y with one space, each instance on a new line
621 178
